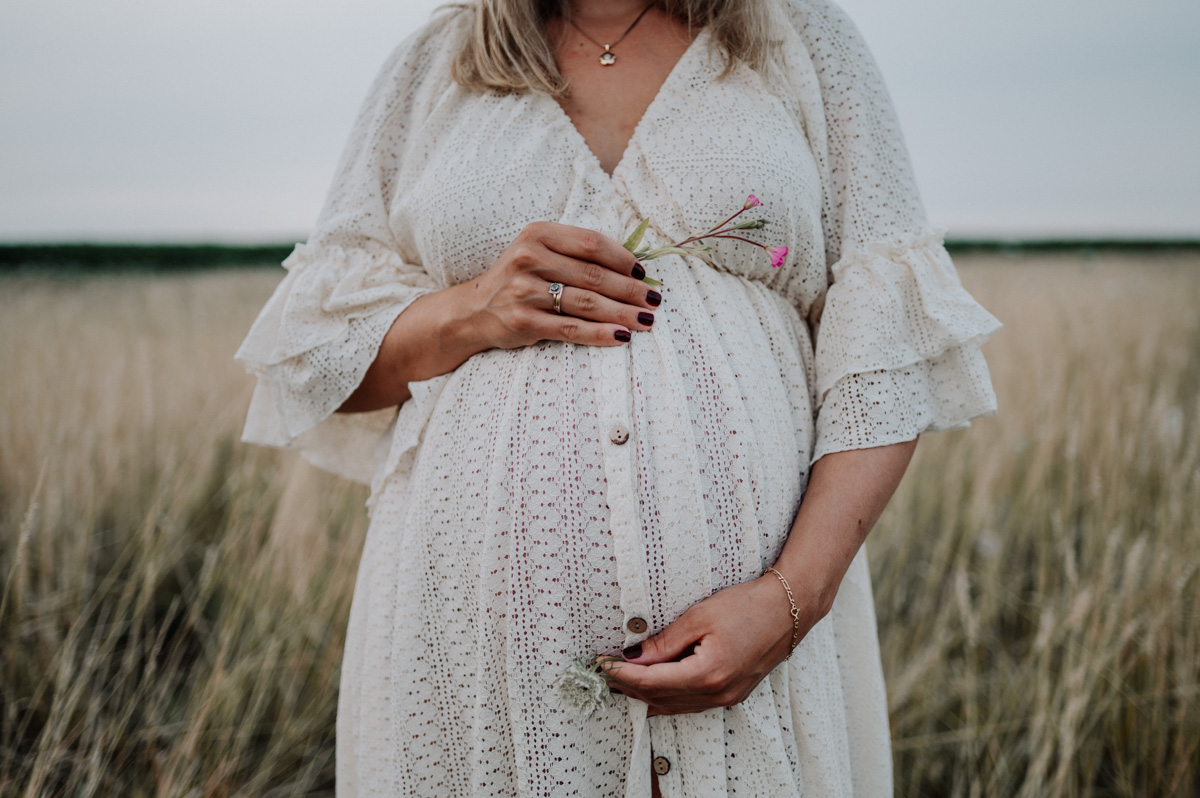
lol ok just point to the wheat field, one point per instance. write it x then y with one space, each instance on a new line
173 601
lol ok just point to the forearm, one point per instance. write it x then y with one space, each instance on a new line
846 494
434 335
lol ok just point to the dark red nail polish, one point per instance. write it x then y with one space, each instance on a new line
638 271
633 652
653 297
622 335
646 318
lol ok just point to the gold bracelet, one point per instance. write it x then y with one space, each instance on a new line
795 611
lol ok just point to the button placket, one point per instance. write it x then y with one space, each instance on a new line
612 373
664 755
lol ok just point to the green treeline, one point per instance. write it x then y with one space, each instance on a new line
90 258
15 258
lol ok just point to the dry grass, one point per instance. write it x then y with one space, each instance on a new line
1037 577
172 604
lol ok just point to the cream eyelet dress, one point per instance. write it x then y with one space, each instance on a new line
531 505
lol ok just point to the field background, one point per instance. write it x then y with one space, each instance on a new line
173 602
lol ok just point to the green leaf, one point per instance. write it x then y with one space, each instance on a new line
635 237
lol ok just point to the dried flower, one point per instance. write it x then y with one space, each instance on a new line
583 686
695 245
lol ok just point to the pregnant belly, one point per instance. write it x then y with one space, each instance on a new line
509 485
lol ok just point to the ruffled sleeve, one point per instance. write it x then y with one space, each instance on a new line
896 335
322 328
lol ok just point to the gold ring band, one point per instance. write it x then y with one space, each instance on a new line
556 291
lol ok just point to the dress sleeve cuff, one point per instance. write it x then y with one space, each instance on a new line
897 350
879 408
311 347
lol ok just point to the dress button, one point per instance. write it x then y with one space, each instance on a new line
618 435
661 765
637 626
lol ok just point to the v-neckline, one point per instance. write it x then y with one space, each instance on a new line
582 143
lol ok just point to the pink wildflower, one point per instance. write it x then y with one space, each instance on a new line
694 245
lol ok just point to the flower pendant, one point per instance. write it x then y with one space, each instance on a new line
607 59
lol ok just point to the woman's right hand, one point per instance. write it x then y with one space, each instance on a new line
510 305
603 298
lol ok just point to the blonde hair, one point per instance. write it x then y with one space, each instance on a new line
506 48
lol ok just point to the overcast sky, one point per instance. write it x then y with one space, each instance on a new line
223 119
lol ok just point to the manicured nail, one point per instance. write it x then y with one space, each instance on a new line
622 335
646 318
653 297
633 652
638 271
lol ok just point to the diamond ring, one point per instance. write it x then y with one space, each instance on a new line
556 290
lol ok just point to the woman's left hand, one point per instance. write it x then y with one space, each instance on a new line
718 651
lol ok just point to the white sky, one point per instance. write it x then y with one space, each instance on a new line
223 119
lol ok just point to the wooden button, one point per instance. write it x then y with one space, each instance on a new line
618 435
661 766
637 626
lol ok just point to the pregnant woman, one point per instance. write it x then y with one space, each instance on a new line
570 461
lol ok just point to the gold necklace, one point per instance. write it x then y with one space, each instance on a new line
608 57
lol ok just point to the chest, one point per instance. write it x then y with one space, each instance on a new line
611 91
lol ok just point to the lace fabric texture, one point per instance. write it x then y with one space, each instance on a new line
509 533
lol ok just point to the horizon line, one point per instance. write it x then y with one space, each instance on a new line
1078 239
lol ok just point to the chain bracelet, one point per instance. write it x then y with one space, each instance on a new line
795 610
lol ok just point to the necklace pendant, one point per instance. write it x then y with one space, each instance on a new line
607 59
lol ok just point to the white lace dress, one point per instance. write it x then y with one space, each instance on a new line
509 532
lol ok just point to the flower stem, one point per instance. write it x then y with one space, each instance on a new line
739 238
727 221
709 234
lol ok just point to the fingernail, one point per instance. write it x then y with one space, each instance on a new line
633 652
638 271
622 335
646 318
653 297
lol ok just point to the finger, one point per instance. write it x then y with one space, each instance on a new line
652 711
694 700
649 682
669 644
557 268
550 326
588 245
587 304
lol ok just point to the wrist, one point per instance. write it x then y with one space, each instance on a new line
463 326
453 332
814 584
790 613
